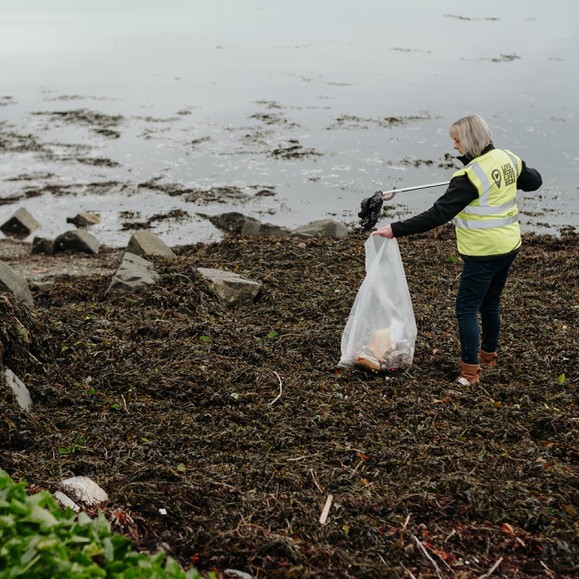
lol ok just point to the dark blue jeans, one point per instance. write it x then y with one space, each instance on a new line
481 285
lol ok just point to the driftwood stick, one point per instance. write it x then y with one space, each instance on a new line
492 569
547 570
315 481
426 554
402 530
326 510
280 389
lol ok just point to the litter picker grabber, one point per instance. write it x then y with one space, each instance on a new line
387 195
371 207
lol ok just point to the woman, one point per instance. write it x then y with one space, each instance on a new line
481 199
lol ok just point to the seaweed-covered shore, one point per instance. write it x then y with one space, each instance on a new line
238 425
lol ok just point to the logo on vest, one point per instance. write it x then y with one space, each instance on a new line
509 174
496 175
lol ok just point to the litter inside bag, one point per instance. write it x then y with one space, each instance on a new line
380 333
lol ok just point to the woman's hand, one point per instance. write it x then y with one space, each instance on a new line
385 231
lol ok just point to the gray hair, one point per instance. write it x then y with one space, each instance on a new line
473 133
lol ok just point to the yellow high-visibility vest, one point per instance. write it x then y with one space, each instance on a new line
490 225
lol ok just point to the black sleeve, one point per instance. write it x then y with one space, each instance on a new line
529 179
459 194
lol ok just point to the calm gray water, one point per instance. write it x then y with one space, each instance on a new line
207 90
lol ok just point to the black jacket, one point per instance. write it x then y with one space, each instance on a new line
459 194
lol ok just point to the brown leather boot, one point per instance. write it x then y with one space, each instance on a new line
469 374
487 359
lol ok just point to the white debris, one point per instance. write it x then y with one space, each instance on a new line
20 391
66 501
84 490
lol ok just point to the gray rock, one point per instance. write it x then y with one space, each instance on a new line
235 574
145 244
42 285
240 224
21 224
322 228
20 391
84 490
232 222
14 283
77 240
133 274
84 219
267 229
42 245
231 288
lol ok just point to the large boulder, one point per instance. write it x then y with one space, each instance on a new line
145 244
322 228
84 219
231 288
133 275
42 245
240 224
14 283
232 222
266 229
77 240
21 224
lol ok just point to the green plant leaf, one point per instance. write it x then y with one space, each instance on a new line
40 539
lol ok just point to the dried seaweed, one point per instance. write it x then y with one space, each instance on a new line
238 423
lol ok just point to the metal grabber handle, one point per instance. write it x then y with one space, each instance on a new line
388 195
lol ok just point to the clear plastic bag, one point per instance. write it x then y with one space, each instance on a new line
380 333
